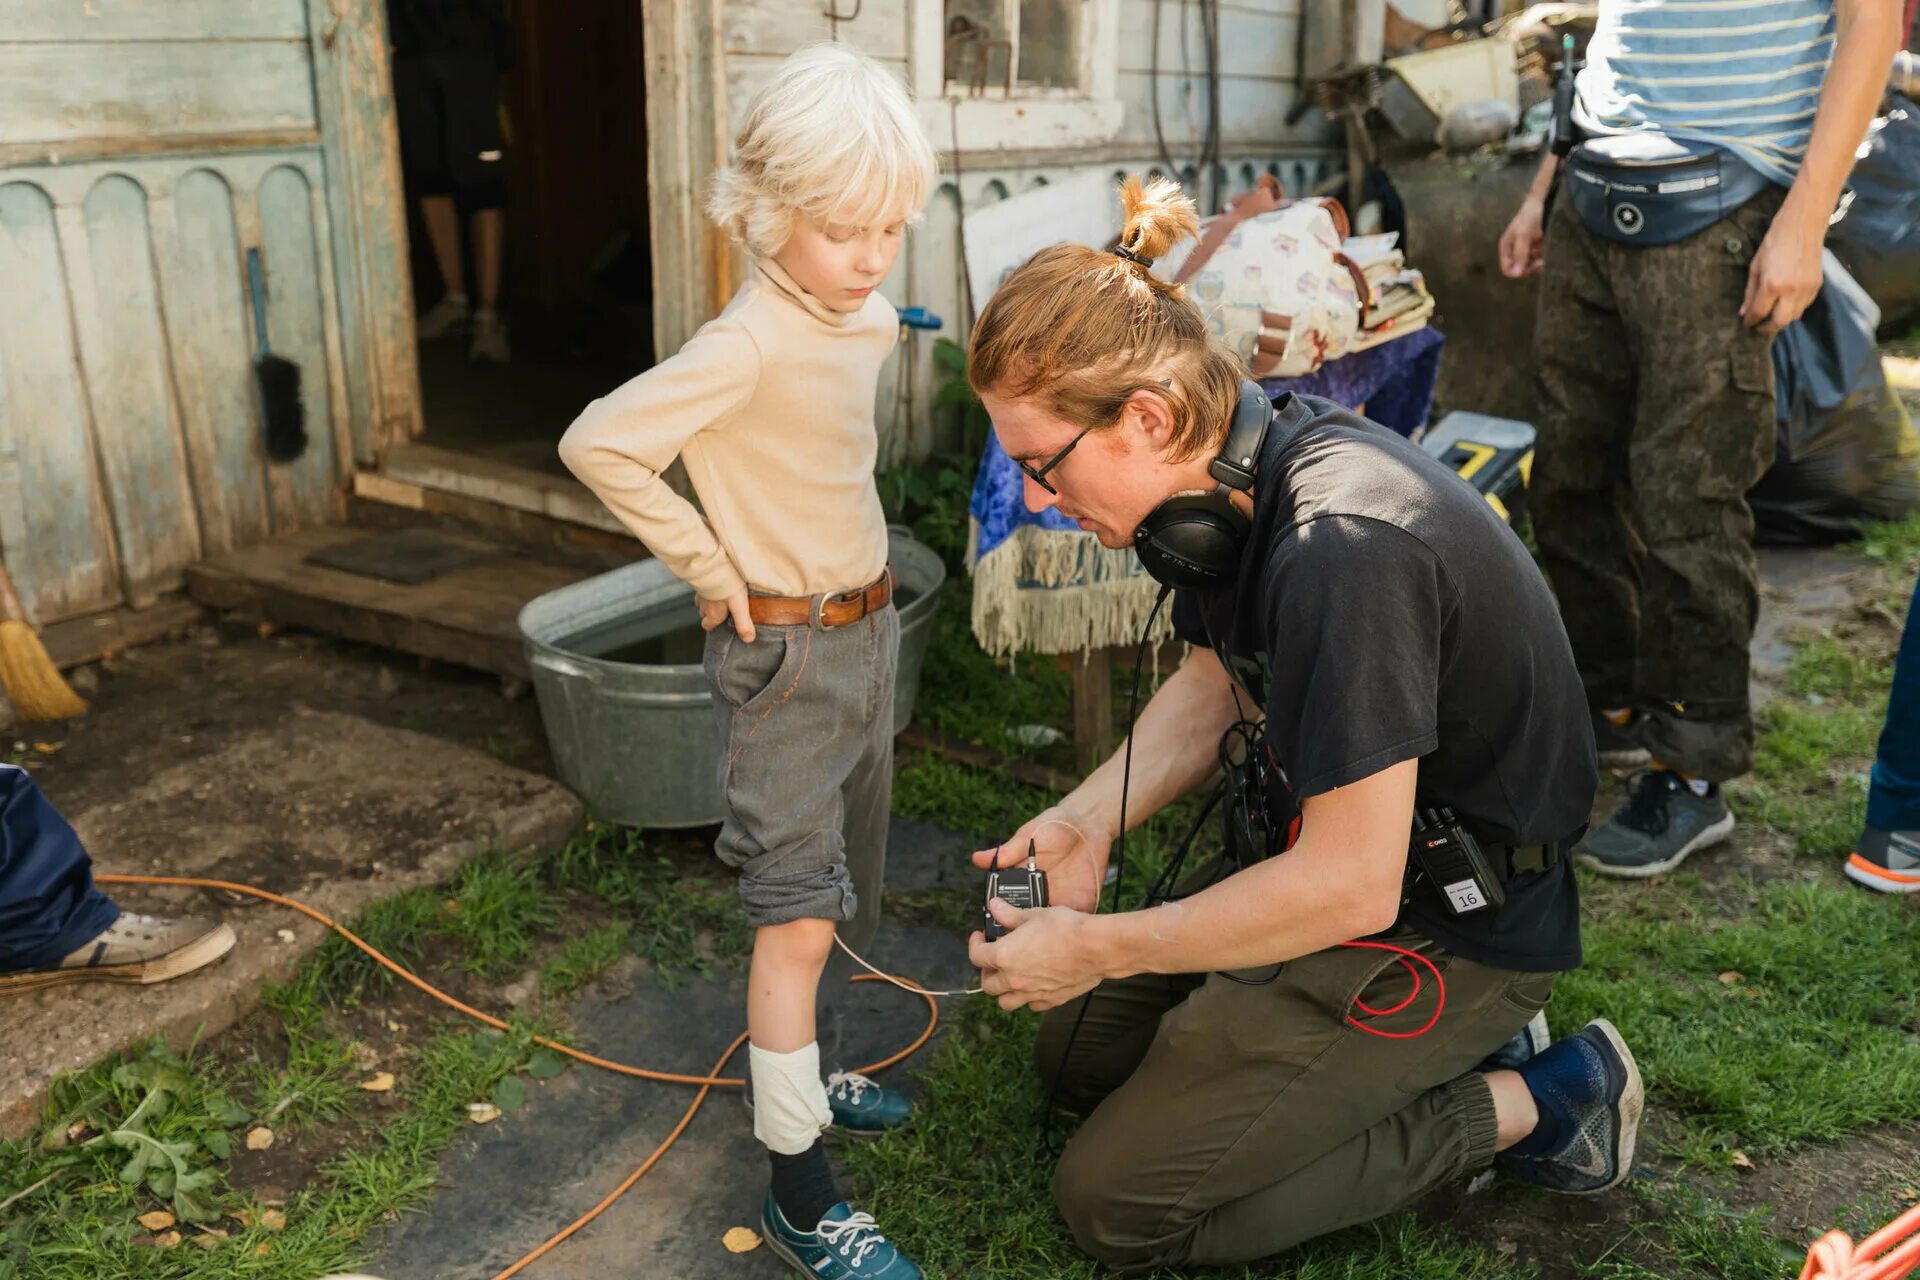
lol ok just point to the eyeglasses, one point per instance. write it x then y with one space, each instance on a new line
1039 475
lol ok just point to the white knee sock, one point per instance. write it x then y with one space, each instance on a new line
789 1101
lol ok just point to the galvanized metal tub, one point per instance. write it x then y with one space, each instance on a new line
617 669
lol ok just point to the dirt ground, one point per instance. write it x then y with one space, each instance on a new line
332 772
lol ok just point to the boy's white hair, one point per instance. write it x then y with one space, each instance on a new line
833 138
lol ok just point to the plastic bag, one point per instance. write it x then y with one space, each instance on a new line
1846 449
1878 237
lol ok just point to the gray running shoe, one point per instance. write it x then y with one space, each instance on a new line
1659 823
1886 860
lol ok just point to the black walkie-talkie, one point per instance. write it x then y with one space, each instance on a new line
1022 887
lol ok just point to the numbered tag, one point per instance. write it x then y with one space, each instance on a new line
1465 896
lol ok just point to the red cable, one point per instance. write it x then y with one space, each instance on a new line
1406 959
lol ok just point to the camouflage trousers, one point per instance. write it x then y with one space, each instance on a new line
1656 417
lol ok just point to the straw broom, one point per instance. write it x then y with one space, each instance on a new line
32 682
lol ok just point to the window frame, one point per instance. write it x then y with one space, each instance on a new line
1029 119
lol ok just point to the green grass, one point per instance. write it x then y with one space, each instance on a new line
1813 1033
1895 543
498 906
1676 1233
315 1084
966 693
583 959
1809 776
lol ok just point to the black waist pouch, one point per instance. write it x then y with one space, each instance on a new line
1649 189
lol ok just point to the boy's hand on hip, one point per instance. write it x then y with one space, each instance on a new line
715 612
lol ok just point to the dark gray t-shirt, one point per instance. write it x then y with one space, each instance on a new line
1384 613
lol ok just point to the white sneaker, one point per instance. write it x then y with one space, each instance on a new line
134 948
449 316
489 339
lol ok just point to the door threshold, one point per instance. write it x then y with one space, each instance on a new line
408 469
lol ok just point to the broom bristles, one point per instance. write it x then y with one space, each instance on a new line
33 683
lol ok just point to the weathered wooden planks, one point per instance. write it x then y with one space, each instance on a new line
230 20
131 89
378 373
467 615
123 349
60 549
296 326
198 248
95 635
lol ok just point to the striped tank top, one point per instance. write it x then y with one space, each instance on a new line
1740 74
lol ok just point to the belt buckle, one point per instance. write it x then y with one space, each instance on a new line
816 606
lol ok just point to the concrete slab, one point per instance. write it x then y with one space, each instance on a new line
506 1188
330 808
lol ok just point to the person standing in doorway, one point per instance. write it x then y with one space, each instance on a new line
1712 143
447 59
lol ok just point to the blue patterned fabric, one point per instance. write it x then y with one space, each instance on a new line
1395 382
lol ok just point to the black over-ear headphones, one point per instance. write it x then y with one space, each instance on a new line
1192 541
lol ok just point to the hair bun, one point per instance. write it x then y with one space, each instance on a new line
1158 216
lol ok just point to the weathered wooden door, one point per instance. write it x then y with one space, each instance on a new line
146 146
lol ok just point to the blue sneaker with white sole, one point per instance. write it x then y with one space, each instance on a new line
1590 1096
844 1245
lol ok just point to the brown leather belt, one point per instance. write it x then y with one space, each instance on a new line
823 611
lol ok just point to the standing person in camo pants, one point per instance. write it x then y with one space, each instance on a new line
1655 373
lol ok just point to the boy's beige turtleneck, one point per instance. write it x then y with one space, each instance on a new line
771 407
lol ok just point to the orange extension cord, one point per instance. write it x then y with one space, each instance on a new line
708 1083
1887 1254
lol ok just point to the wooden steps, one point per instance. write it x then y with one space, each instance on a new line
466 614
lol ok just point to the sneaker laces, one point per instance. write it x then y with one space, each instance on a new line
853 1237
852 1083
1646 808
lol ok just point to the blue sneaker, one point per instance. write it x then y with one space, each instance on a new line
863 1109
1591 1081
1528 1043
844 1246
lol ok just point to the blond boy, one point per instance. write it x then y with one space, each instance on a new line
770 406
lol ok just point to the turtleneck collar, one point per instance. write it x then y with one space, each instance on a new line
790 288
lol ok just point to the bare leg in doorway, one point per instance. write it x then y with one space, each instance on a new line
489 334
443 234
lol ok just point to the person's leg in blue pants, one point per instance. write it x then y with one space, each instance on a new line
57 927
1887 856
48 904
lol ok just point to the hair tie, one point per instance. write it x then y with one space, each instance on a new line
1131 256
